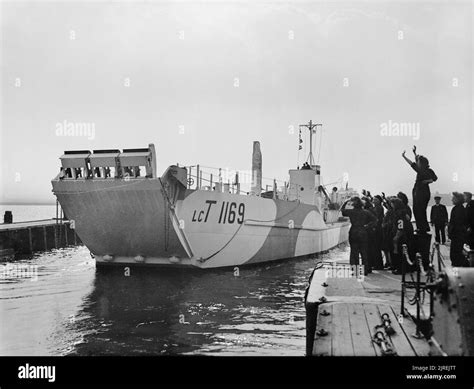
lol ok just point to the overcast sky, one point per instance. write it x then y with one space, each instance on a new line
204 80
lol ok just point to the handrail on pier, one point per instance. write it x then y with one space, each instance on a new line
421 287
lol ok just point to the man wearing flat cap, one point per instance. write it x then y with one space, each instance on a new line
439 219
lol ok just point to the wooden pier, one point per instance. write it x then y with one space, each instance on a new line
347 314
36 235
344 314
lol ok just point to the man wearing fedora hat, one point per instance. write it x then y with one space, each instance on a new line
439 219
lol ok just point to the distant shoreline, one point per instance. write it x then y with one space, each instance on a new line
3 204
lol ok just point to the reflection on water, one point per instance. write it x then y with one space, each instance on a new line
70 308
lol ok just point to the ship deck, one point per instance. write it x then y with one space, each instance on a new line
347 313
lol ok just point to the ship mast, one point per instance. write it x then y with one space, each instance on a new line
310 126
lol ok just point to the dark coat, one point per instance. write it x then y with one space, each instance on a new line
470 214
439 214
423 174
457 227
361 221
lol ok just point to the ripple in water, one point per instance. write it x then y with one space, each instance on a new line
72 309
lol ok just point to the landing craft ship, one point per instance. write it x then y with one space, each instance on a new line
127 215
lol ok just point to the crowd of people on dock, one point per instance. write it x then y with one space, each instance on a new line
381 225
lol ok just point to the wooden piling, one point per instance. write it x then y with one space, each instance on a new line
39 235
45 239
30 240
55 236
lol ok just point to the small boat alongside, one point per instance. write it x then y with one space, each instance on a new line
128 215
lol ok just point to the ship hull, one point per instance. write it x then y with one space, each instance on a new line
157 222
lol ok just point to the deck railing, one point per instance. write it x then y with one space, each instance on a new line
437 264
240 182
232 181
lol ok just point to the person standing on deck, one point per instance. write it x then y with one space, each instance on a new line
470 218
457 231
421 190
334 195
402 196
439 219
387 234
374 253
367 205
361 219
379 214
403 234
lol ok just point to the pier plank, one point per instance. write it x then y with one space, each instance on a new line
420 346
322 345
373 319
399 340
344 287
342 338
361 337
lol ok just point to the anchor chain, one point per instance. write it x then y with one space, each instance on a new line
381 340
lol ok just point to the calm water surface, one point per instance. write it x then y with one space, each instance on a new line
64 306
69 307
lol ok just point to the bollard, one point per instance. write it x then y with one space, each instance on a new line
8 217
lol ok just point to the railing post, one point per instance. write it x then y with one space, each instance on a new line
419 263
432 254
402 305
237 182
190 176
198 177
431 292
439 256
